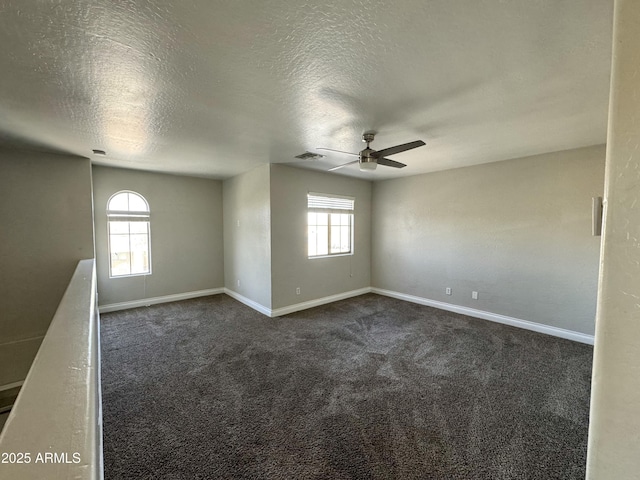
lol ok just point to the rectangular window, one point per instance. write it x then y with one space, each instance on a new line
329 225
129 248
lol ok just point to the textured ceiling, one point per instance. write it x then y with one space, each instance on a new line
215 88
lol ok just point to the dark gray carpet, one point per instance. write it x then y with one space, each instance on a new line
365 388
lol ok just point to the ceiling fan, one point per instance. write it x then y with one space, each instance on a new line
369 159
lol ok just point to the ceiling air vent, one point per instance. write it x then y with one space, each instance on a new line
309 156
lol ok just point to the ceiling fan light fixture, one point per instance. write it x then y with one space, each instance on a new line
368 166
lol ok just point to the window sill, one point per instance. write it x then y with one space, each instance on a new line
130 275
331 256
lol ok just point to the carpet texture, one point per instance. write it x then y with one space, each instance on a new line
366 388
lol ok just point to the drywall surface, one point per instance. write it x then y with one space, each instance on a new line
59 408
47 227
614 441
247 235
291 266
518 232
186 234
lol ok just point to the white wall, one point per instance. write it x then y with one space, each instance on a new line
247 235
614 429
517 231
291 267
186 234
47 227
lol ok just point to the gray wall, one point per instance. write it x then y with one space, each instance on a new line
247 235
47 227
186 234
518 232
318 277
614 419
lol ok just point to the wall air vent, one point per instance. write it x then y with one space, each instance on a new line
309 156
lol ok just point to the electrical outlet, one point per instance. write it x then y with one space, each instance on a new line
447 290
474 295
238 282
297 290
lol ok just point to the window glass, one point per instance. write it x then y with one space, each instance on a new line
138 227
137 203
128 222
120 201
118 227
329 225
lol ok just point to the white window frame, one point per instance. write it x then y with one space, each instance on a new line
129 216
331 204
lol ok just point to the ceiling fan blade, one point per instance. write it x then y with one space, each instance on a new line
397 149
343 165
339 151
390 163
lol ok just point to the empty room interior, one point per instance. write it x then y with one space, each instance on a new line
319 240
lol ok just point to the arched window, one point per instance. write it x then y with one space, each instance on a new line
129 235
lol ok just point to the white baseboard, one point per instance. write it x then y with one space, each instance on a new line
248 302
145 302
9 386
494 317
472 312
318 301
298 306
